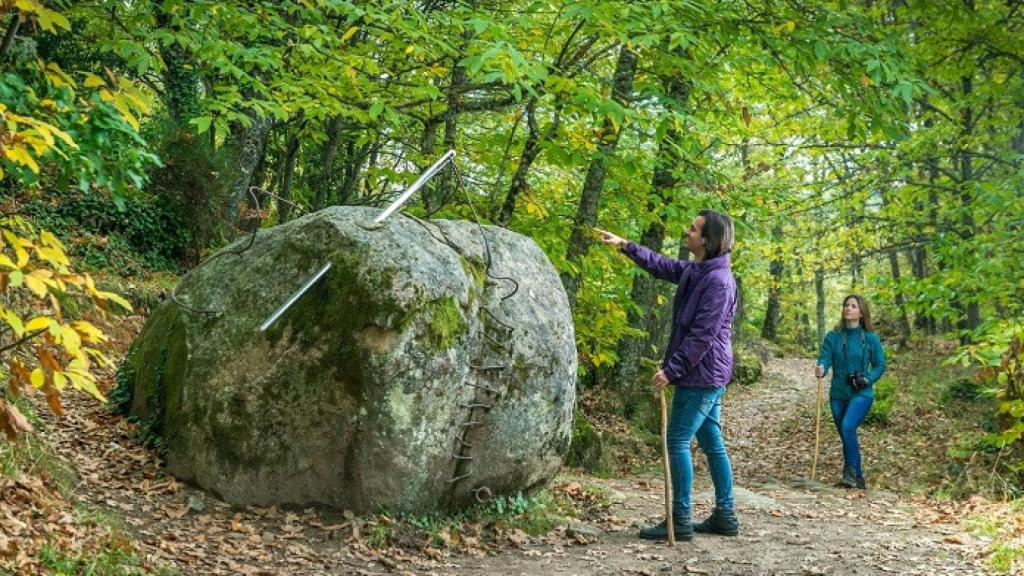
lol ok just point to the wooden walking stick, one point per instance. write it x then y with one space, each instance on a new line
817 433
668 472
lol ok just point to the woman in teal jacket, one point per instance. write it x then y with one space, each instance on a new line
854 353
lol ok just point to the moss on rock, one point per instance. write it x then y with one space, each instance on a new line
446 323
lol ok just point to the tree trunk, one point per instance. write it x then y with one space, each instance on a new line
970 317
248 144
440 190
819 292
904 321
12 31
531 149
284 202
322 182
644 292
180 79
769 330
355 158
593 185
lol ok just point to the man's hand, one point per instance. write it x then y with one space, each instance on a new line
611 239
660 380
819 371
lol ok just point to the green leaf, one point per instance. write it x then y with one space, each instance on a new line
202 123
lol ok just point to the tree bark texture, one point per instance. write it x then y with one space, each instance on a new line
644 292
769 330
249 143
593 185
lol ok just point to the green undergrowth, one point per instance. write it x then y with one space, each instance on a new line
31 455
917 427
109 553
1003 526
491 522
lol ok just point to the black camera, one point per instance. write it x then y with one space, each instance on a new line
857 380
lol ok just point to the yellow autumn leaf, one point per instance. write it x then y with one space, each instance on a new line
71 342
115 299
101 359
20 155
85 381
14 321
80 363
6 261
54 256
57 76
37 286
38 323
37 378
22 255
89 332
93 81
59 380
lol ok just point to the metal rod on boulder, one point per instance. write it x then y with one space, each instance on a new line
427 175
430 173
298 293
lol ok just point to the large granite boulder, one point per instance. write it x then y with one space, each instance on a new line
411 377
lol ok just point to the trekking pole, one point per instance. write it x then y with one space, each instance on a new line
668 472
817 433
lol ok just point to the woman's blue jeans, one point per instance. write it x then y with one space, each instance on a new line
848 414
696 412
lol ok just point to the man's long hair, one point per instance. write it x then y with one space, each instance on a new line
717 233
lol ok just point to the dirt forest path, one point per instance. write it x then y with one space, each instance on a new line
789 525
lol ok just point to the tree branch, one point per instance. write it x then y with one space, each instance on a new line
23 339
12 29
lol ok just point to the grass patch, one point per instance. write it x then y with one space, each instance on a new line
1003 523
501 518
111 554
918 426
31 455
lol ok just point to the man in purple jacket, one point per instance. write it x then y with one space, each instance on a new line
698 361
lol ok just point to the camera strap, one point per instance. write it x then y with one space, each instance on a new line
863 352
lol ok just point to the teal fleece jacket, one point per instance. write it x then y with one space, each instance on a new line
869 359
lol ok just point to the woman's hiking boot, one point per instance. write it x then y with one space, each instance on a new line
722 521
849 478
681 526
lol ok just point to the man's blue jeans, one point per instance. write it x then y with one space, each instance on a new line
848 414
695 412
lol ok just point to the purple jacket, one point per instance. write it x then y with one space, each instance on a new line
699 352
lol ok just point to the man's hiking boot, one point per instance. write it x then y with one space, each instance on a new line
849 478
681 526
861 484
721 521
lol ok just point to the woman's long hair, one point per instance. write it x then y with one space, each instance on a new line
865 310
